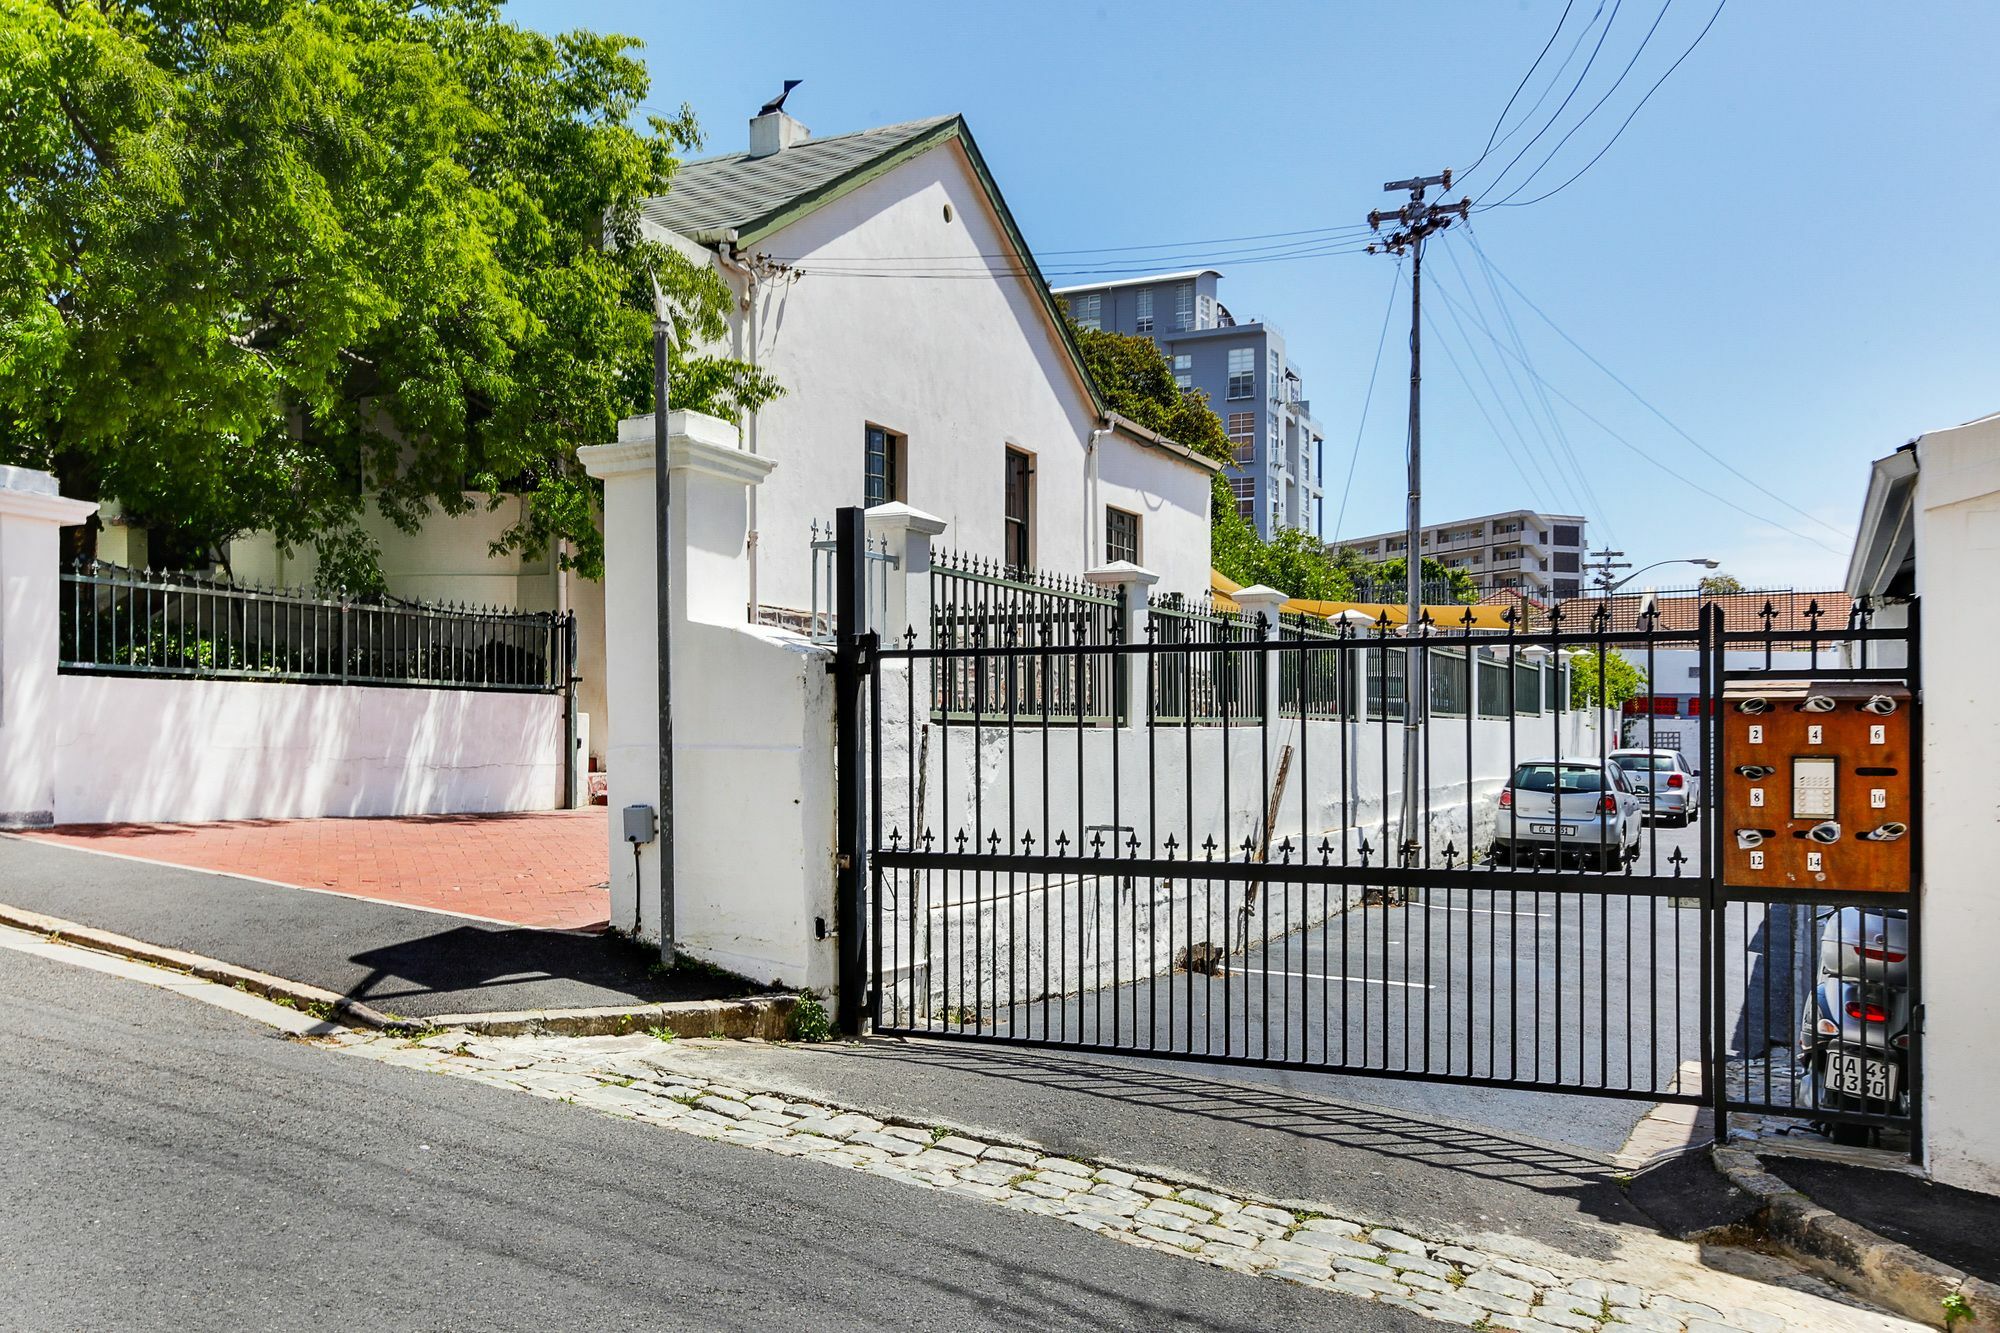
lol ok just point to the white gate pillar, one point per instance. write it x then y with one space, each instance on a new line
1133 586
32 515
906 534
709 582
1261 604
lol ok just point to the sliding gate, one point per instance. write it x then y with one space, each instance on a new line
1115 824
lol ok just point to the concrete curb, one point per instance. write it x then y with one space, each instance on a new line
1884 1271
209 969
766 1016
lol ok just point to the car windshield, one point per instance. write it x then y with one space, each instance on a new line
1640 763
1551 777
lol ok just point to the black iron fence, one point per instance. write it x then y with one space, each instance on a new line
1224 875
1039 627
119 621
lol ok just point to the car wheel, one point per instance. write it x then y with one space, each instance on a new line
1498 855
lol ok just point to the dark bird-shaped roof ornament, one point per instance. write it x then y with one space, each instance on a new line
778 103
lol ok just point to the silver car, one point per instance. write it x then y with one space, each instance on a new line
1576 809
1666 784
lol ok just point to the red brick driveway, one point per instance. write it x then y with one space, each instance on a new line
540 869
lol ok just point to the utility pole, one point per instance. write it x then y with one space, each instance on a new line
663 332
1604 566
1413 223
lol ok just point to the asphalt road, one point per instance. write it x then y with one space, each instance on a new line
1598 990
170 1165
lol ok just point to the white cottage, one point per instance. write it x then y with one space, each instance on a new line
881 279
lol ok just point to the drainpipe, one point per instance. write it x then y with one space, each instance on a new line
748 421
1091 557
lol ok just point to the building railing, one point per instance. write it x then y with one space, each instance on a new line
131 622
1038 624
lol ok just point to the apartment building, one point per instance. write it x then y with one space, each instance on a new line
1258 392
1523 550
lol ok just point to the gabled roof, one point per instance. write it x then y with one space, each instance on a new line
737 197
1740 611
741 199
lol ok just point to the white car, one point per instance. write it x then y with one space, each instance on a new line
1574 809
1668 788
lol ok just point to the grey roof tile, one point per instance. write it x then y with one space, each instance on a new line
737 190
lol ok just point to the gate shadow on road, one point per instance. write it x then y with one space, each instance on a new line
1349 1141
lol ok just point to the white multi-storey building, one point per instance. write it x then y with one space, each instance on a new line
1521 549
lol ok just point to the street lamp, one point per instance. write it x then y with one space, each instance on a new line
1609 587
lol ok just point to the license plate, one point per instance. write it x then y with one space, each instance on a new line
1857 1076
1551 828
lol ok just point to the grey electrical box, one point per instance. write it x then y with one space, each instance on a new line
641 825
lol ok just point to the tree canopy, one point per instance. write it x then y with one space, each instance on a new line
264 262
1603 679
1718 584
1133 376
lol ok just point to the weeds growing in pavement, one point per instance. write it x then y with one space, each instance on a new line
809 1020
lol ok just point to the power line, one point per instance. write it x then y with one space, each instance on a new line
1628 119
1502 118
1595 106
1539 494
1547 491
1620 439
1556 464
1395 284
1615 379
1556 115
809 267
1593 502
1163 252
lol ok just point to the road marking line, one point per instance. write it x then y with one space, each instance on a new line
1321 976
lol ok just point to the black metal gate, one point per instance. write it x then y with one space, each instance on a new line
1179 831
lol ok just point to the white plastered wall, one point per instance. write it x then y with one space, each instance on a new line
962 369
175 751
1957 549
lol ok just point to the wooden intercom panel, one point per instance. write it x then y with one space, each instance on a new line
1816 786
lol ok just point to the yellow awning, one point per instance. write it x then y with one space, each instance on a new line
1450 616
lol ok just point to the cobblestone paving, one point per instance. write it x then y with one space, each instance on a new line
633 1077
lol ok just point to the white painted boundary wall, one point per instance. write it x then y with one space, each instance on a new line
85 749
1957 527
136 749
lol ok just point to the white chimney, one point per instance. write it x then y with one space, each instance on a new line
774 132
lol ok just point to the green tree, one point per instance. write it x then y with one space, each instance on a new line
1716 585
1137 382
260 258
1603 679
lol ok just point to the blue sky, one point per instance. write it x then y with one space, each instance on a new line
1785 253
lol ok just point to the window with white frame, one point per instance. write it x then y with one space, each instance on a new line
1242 372
1245 491
1087 311
1243 435
1184 305
1121 535
1145 317
1184 370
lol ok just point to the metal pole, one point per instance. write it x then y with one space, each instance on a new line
664 612
851 647
1413 562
